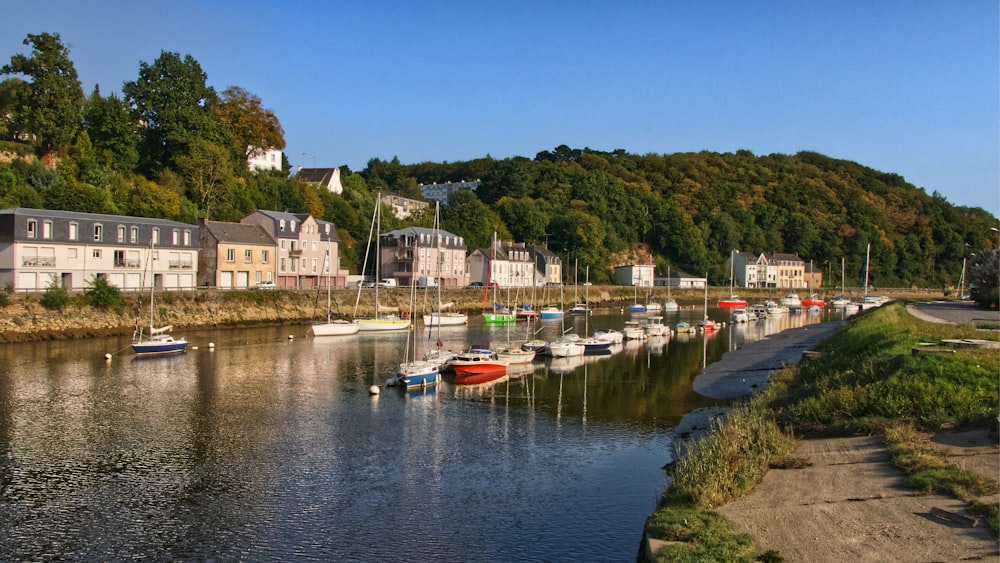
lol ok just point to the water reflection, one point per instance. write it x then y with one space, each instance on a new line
270 447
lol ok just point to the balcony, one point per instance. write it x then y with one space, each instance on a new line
178 265
128 264
297 252
38 261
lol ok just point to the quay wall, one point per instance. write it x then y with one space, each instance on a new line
25 319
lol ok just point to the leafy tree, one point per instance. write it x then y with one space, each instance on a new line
15 191
253 127
208 171
149 199
112 131
525 218
471 219
173 101
9 123
51 106
511 178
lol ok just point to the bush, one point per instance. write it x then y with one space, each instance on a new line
56 297
102 294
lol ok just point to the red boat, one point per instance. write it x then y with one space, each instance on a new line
477 367
732 303
813 300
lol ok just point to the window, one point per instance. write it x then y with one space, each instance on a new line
187 238
281 264
156 235
46 229
121 234
264 255
74 231
314 266
281 225
291 225
134 235
282 244
96 253
32 228
247 256
98 231
231 255
175 237
119 259
71 253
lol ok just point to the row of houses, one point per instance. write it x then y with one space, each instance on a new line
39 247
773 271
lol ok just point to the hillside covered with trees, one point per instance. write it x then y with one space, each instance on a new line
168 145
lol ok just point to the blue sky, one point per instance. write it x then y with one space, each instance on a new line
909 87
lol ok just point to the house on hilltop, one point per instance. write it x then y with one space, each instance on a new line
328 178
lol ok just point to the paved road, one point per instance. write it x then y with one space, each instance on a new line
955 312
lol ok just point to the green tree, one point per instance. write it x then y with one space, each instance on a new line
208 173
51 106
175 104
112 132
10 126
471 219
254 128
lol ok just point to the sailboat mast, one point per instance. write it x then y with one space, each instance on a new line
152 287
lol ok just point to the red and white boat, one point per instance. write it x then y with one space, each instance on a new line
732 302
813 300
477 366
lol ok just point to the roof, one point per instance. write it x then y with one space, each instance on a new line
57 214
317 175
239 233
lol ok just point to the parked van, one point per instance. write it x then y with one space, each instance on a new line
387 282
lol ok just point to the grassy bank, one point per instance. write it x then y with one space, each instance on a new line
866 381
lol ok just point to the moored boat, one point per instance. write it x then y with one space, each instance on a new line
655 327
634 331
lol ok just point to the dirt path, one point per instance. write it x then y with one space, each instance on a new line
849 504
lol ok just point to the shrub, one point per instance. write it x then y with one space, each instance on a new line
56 297
102 294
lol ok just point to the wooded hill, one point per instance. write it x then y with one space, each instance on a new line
693 209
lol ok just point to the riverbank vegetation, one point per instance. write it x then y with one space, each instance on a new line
865 381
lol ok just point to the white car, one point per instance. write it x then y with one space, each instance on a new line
264 285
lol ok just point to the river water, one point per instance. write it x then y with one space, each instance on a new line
268 446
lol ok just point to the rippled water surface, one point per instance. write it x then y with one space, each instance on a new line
270 447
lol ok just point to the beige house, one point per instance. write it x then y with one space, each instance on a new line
235 256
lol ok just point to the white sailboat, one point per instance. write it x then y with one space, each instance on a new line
333 326
413 373
380 321
440 317
670 304
158 340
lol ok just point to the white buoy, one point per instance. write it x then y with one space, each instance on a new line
107 356
291 336
373 390
211 345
